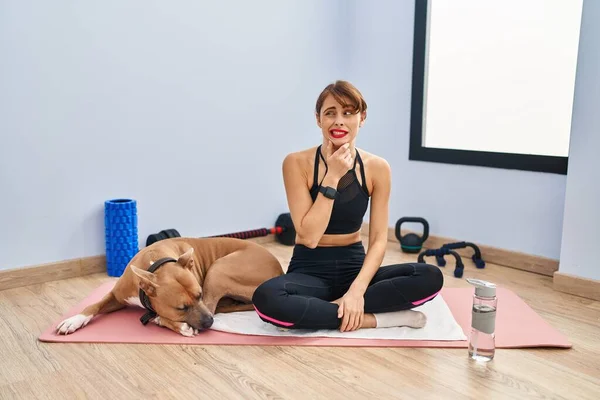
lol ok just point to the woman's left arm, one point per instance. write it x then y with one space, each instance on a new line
351 305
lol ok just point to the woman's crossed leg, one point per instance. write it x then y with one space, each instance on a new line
302 301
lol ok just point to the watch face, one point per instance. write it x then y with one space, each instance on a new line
329 192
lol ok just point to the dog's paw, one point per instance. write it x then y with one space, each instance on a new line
73 323
187 330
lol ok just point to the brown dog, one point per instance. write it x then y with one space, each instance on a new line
197 278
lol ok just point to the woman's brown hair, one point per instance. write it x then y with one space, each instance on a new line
345 93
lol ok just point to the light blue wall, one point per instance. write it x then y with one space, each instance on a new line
188 107
581 234
515 210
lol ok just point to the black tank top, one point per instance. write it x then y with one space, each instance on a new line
350 206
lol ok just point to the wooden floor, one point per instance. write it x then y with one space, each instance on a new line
30 369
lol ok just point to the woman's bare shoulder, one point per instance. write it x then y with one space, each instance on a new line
373 161
302 159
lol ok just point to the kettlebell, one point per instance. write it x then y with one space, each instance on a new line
411 242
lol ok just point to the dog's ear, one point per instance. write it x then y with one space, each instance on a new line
186 260
147 281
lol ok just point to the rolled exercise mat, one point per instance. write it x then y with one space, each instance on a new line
121 234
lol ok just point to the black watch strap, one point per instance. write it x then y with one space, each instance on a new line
328 192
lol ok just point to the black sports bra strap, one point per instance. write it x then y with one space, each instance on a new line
355 160
362 172
316 169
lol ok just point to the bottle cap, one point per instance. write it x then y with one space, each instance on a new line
483 288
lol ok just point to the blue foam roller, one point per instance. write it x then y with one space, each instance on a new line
121 234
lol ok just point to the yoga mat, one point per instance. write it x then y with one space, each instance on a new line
441 325
517 326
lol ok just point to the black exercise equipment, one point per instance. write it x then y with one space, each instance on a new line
449 248
284 232
476 257
439 254
287 234
164 234
411 242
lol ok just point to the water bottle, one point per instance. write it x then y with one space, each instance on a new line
482 343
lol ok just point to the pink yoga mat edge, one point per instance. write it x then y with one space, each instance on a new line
517 326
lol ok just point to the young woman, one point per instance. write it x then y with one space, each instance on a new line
331 282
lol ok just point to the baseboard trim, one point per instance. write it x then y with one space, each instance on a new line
13 278
55 271
89 265
575 285
507 258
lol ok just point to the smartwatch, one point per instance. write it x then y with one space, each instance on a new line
328 192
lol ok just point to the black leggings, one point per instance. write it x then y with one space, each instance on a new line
302 297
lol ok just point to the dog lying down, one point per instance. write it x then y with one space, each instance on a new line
183 282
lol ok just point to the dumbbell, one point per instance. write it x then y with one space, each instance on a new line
284 232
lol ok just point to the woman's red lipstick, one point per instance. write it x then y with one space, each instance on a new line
338 133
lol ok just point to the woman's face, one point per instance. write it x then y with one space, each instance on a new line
338 123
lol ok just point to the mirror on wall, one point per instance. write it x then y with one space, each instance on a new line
493 82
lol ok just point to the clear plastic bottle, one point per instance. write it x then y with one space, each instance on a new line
482 342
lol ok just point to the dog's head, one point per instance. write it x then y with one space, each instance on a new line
175 293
